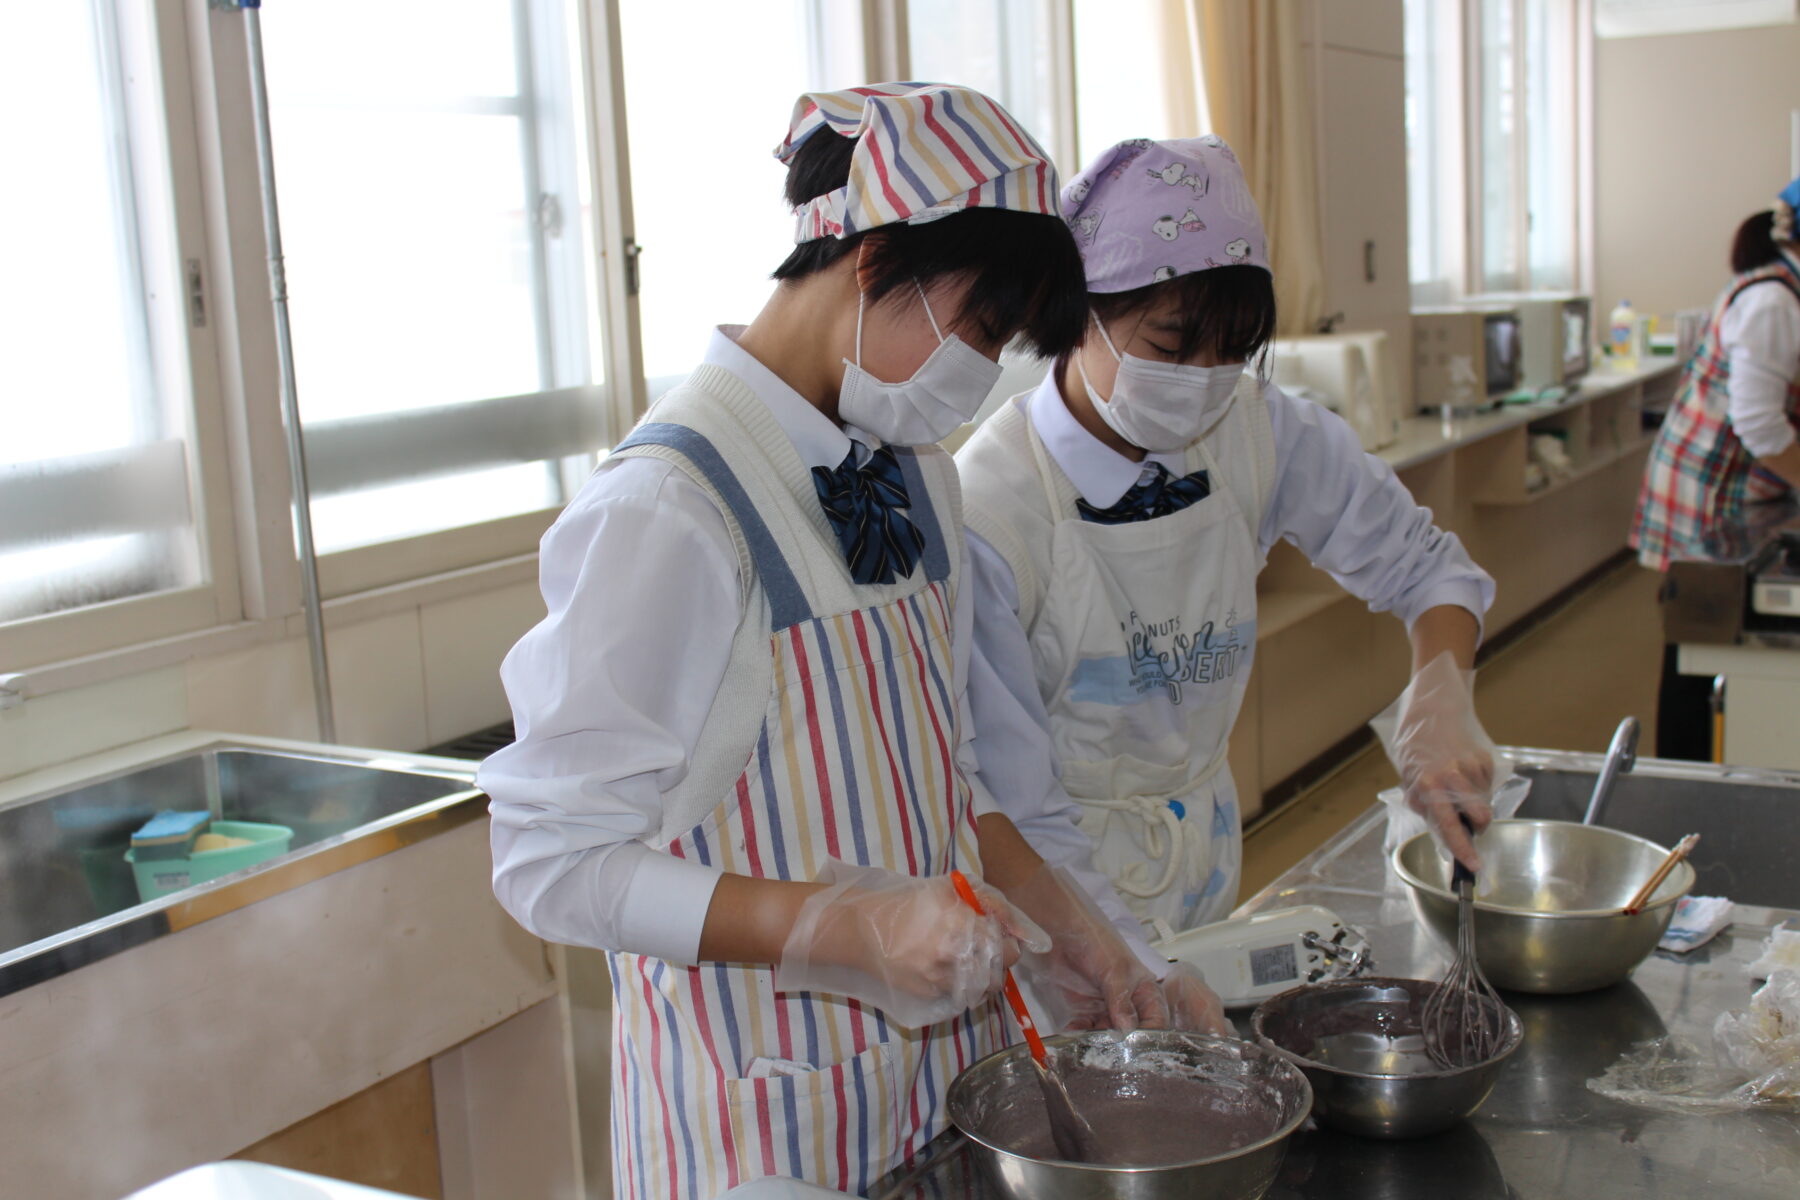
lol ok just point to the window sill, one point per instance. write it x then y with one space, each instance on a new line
224 639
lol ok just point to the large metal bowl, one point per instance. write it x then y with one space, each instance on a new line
1004 1080
1548 908
1359 1045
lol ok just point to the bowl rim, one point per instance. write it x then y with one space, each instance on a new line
1286 1129
1515 1031
1417 884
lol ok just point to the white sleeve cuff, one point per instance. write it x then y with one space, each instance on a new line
660 901
1466 594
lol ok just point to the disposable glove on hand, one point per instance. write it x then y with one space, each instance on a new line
1192 1005
1445 758
904 944
1089 978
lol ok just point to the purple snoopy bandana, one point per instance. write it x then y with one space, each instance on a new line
1147 211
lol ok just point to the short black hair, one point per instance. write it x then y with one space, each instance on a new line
1754 246
1228 310
1024 270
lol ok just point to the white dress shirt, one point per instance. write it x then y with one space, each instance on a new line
1761 332
610 691
1345 509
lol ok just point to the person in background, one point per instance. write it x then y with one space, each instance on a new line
1118 518
1728 441
743 765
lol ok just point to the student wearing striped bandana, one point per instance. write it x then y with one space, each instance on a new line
743 764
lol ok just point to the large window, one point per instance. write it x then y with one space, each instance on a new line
1123 54
1492 125
463 187
98 478
706 186
430 176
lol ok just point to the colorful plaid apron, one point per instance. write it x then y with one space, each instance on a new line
717 1077
1699 474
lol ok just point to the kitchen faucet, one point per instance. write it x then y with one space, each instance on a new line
1621 756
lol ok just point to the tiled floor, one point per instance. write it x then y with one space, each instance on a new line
1564 686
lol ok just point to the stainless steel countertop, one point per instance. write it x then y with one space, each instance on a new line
1542 1133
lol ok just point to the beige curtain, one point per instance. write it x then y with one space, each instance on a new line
1257 95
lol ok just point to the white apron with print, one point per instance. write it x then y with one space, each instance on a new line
1143 637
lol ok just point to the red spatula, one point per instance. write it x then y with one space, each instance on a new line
1073 1136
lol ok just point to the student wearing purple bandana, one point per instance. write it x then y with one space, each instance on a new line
1119 515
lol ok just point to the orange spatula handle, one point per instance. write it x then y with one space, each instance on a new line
1013 998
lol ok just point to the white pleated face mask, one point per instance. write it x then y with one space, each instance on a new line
1161 407
943 394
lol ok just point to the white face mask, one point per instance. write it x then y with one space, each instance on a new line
1162 407
941 396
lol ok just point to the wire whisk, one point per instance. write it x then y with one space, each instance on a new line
1464 1020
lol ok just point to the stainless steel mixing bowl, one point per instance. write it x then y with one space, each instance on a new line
1548 906
1358 1042
988 1088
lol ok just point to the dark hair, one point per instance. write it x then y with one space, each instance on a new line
1754 246
1228 310
1023 269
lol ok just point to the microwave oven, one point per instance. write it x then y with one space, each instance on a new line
1465 358
1353 372
1556 332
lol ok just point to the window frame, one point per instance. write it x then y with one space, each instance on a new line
226 376
150 40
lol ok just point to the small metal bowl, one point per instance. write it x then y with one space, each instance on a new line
1359 1045
1002 1081
1548 909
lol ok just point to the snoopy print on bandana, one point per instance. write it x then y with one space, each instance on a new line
1168 228
1177 175
1162 274
1238 249
1085 226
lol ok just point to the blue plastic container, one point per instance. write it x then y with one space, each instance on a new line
157 878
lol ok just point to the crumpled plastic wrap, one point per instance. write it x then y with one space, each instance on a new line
1781 952
1755 1063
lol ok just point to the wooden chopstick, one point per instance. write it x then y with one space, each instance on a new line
1682 849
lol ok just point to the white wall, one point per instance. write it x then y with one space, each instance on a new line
1692 136
403 680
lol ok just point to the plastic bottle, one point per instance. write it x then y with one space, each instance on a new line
1621 337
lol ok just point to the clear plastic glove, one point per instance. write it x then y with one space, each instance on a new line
1089 978
1445 758
905 944
1192 1005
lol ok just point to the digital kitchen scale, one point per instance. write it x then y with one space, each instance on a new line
1248 959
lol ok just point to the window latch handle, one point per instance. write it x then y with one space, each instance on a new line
632 251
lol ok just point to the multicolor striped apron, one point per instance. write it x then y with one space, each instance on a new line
1699 475
717 1077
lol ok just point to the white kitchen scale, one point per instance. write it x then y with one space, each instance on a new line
1248 959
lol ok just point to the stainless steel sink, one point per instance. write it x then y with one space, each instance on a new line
67 896
1748 822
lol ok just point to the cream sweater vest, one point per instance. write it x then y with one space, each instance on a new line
790 567
1017 494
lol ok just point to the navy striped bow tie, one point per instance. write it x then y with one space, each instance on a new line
1157 496
867 509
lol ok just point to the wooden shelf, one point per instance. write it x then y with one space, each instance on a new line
1283 608
1591 467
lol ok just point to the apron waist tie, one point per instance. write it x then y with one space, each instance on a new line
1160 824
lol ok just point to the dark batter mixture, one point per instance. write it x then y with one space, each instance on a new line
1142 1118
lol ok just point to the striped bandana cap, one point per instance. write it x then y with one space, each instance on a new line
923 151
